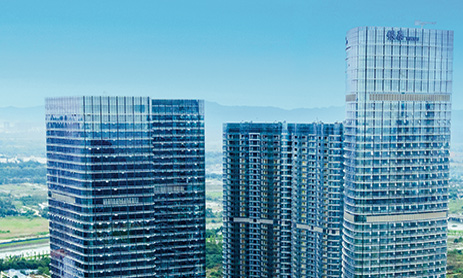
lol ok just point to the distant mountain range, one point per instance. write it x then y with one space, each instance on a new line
27 125
11 114
217 115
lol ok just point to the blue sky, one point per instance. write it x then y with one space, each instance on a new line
288 54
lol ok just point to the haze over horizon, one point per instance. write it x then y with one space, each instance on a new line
261 53
215 102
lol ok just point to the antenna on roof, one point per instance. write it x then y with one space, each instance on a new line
422 23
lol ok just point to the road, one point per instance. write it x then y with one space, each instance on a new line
33 248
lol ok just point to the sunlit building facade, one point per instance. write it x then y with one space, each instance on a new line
282 200
397 135
126 184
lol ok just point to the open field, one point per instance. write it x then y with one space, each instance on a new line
21 227
214 196
214 185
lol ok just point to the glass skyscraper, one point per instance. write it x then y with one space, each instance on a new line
397 135
282 200
126 184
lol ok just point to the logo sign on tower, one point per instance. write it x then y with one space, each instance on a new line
399 36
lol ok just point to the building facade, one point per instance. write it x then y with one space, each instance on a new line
282 200
316 200
397 135
126 184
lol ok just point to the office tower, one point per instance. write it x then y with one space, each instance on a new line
397 133
126 184
282 200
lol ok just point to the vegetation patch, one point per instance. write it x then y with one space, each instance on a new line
21 172
456 206
455 233
40 263
455 263
26 199
214 241
7 208
213 217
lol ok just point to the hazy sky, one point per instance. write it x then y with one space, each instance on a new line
288 54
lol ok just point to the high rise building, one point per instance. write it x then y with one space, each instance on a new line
282 200
397 135
126 184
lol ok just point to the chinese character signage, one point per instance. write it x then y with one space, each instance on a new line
399 36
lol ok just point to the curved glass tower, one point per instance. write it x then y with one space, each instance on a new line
397 134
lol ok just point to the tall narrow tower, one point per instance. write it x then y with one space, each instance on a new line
282 200
126 187
397 135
